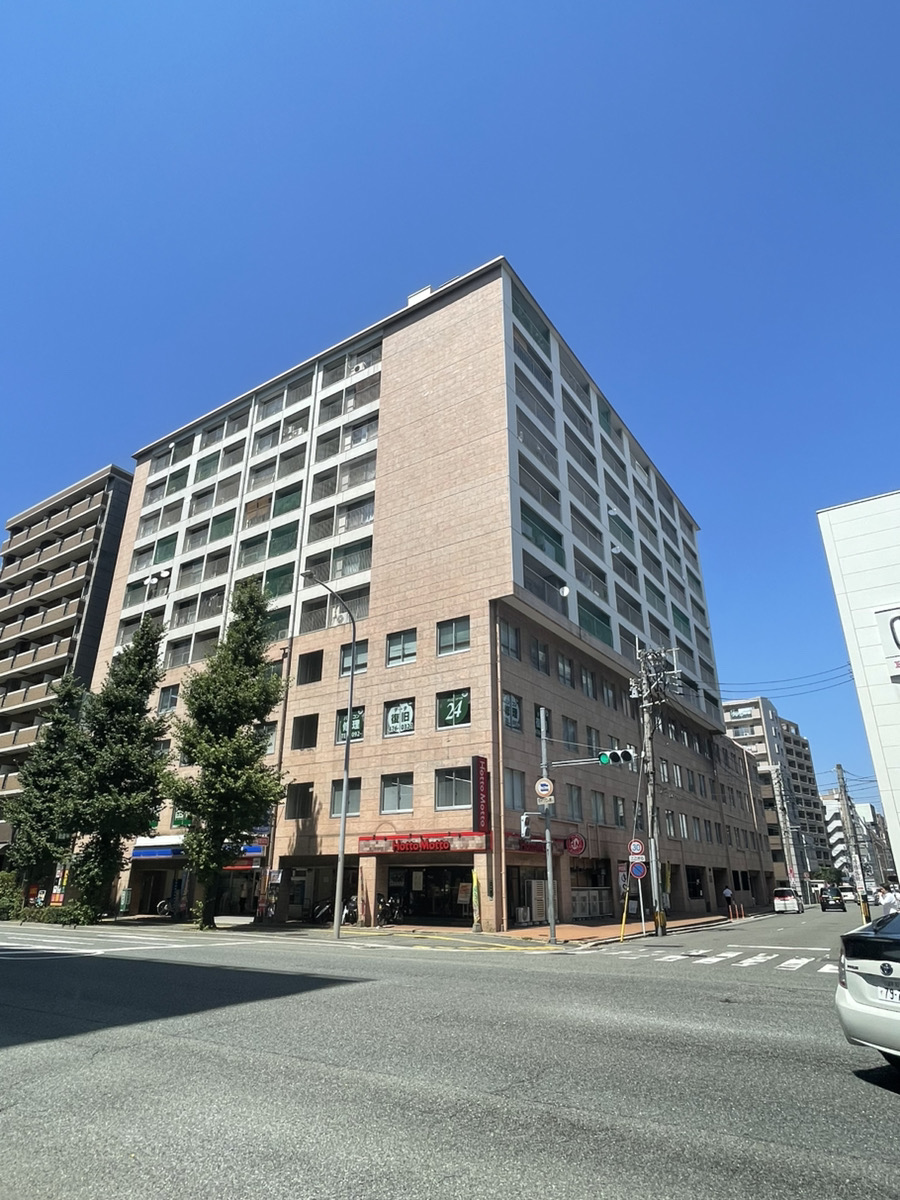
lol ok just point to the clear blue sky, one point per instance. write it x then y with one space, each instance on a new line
702 195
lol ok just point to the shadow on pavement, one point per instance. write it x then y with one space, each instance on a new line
46 999
884 1077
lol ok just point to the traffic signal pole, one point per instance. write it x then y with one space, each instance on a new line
649 688
548 841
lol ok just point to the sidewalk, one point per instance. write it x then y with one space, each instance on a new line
580 933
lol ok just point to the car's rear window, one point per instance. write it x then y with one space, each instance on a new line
783 893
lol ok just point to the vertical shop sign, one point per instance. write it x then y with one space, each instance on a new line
481 805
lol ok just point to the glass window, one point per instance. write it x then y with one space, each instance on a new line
204 644
183 449
670 823
190 573
357 725
540 656
211 604
298 804
280 580
509 640
216 564
565 670
453 788
148 524
278 624
396 793
253 550
570 733
619 810
513 789
238 422
286 501
362 657
206 467
399 717
233 454
573 797
401 647
309 667
305 732
262 475
283 539
165 548
453 636
228 489
598 808
512 711
209 437
453 709
176 481
201 502
270 405
222 525
178 654
354 791
266 439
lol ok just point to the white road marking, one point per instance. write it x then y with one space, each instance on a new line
829 968
748 947
793 964
756 960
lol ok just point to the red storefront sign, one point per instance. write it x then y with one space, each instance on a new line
424 843
481 799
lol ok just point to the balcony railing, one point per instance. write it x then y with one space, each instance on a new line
52 524
44 587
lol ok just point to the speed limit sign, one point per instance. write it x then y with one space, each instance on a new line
636 846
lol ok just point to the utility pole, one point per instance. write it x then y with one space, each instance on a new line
548 842
650 687
784 821
853 849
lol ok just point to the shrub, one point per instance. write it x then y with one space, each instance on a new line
10 896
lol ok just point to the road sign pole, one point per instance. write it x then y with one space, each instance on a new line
548 841
641 905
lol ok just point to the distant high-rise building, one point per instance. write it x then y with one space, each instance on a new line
57 567
796 818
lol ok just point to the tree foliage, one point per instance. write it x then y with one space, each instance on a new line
95 777
223 737
127 776
44 814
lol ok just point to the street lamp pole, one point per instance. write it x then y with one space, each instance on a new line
345 790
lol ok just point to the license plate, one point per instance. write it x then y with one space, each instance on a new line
892 994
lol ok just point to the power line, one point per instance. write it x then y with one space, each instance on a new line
789 678
786 695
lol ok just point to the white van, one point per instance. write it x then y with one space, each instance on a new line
787 901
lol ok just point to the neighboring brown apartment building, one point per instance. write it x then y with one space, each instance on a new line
467 493
57 566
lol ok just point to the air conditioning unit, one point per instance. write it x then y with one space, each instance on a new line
340 617
360 366
523 916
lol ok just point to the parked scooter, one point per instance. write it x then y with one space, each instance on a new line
350 915
323 913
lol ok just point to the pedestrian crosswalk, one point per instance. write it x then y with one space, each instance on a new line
30 942
785 960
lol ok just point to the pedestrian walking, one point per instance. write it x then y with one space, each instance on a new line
888 901
242 898
729 897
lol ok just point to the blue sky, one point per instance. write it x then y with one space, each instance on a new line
702 196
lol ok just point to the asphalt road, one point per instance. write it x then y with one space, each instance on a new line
168 1064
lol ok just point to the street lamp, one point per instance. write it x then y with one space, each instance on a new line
345 790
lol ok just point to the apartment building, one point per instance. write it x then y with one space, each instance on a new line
866 842
57 567
862 546
795 817
453 482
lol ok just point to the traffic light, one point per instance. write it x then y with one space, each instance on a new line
615 758
525 825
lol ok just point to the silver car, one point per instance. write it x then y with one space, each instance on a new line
868 991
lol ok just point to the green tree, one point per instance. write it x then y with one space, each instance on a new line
125 776
829 874
224 739
45 813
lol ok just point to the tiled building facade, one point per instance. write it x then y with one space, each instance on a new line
503 543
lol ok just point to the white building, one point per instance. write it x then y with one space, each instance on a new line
862 546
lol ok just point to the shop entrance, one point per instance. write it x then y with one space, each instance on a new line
436 894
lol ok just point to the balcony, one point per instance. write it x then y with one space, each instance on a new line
61 523
41 656
70 580
9 782
15 739
35 695
49 556
48 620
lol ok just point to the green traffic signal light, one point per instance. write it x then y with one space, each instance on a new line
615 758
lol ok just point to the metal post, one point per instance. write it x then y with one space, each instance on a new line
345 789
650 685
548 842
